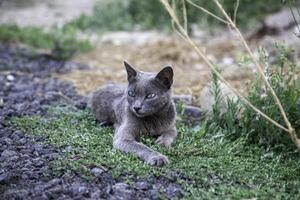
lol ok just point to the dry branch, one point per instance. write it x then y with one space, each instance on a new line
207 12
183 33
291 131
236 7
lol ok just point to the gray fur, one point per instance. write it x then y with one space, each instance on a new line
133 114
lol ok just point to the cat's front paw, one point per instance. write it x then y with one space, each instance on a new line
164 141
158 160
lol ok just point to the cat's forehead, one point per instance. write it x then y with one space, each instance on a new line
145 77
144 82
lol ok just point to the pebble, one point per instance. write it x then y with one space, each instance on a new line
122 191
1 102
25 160
142 185
173 190
10 78
8 153
3 178
97 171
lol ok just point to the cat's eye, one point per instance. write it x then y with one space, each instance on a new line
131 93
150 96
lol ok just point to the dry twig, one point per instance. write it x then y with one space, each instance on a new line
291 131
236 7
207 12
183 33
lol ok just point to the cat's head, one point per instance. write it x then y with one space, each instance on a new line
148 93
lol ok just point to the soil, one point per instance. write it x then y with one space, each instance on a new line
27 88
191 73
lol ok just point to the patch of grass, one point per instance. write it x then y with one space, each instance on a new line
62 43
32 36
107 16
144 15
212 166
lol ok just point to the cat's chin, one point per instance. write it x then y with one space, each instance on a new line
140 115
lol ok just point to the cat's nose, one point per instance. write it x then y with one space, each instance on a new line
136 108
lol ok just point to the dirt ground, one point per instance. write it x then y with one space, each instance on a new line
150 51
191 73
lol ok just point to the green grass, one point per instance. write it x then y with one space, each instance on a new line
283 76
144 15
213 167
124 15
62 42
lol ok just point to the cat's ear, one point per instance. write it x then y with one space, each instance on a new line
165 77
131 72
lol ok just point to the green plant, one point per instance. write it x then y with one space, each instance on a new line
62 42
282 74
65 45
32 36
206 165
107 16
150 14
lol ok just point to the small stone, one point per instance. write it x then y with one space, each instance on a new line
108 189
142 185
157 186
24 176
52 183
1 102
43 197
15 194
10 77
39 188
38 162
13 158
82 189
54 192
173 190
77 189
37 147
227 61
16 135
69 148
154 194
96 194
7 141
22 141
120 186
122 191
36 153
2 120
97 171
4 177
8 153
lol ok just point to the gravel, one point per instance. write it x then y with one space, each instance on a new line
27 88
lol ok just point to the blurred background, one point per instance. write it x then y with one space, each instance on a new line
100 34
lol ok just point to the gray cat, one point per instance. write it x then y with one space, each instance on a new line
144 106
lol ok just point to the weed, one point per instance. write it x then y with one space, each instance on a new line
62 42
282 74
